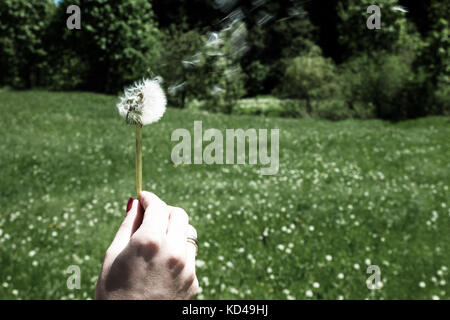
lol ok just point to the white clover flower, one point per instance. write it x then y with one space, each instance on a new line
143 103
199 263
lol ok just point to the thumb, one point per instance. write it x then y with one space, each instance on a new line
129 225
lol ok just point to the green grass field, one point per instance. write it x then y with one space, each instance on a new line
348 194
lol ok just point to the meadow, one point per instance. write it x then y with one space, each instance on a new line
348 194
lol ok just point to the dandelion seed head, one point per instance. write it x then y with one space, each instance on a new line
143 103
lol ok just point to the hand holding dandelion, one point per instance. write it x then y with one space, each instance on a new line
141 104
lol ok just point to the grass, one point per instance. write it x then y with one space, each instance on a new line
348 194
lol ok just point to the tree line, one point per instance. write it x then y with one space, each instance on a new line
318 57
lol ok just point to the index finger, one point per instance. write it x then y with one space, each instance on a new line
156 215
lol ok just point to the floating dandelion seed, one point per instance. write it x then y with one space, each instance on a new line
190 64
217 90
296 11
173 90
401 9
233 17
225 5
141 104
213 39
258 3
264 19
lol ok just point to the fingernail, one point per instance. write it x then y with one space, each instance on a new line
129 204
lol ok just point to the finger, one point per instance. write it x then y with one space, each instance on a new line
175 239
156 216
191 249
129 225
178 221
193 289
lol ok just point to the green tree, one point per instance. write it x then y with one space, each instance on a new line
221 80
434 55
354 36
287 33
211 72
309 76
118 41
22 26
179 48
385 86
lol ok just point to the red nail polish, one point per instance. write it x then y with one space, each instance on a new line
129 204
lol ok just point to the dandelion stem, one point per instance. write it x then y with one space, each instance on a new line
138 131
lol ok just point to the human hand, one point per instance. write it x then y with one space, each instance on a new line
149 257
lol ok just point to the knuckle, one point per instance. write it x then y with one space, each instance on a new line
151 198
181 213
148 242
176 261
192 230
190 279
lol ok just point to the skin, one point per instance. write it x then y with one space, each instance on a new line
149 257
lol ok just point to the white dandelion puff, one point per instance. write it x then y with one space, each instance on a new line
143 103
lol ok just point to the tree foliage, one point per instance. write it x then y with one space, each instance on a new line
354 36
320 52
309 76
118 42
22 25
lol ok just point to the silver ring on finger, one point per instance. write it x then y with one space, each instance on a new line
193 239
